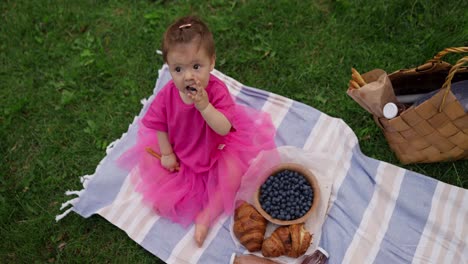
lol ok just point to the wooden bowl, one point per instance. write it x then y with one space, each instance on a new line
308 176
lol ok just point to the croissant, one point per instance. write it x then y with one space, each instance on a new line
292 241
249 227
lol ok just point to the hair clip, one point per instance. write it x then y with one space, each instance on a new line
185 26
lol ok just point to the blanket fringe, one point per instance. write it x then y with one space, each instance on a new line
74 192
71 202
60 216
85 179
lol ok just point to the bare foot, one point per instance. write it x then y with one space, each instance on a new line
201 231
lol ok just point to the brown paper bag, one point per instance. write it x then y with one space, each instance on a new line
375 94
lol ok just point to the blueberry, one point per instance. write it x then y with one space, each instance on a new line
286 194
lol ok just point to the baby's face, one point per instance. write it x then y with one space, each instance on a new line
189 63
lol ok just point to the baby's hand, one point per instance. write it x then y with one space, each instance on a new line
199 97
169 162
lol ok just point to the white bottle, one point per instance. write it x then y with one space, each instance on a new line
390 110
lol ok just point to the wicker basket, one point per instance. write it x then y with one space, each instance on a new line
437 129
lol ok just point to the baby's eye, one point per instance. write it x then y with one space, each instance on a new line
196 66
177 69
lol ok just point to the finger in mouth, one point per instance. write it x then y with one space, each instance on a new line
191 89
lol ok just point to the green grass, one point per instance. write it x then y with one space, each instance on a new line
72 74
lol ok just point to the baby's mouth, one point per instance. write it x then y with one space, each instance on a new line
190 88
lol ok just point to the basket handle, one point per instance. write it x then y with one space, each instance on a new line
438 56
448 80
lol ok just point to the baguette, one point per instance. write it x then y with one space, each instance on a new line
353 84
357 77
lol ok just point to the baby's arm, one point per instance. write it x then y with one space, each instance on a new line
168 158
213 117
216 120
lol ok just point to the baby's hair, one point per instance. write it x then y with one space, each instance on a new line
184 30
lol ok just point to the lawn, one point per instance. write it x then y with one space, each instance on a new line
72 74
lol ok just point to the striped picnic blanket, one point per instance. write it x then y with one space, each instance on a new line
375 212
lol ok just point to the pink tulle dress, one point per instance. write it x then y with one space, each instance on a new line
211 166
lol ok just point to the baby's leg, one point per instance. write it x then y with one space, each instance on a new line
215 206
201 231
206 217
